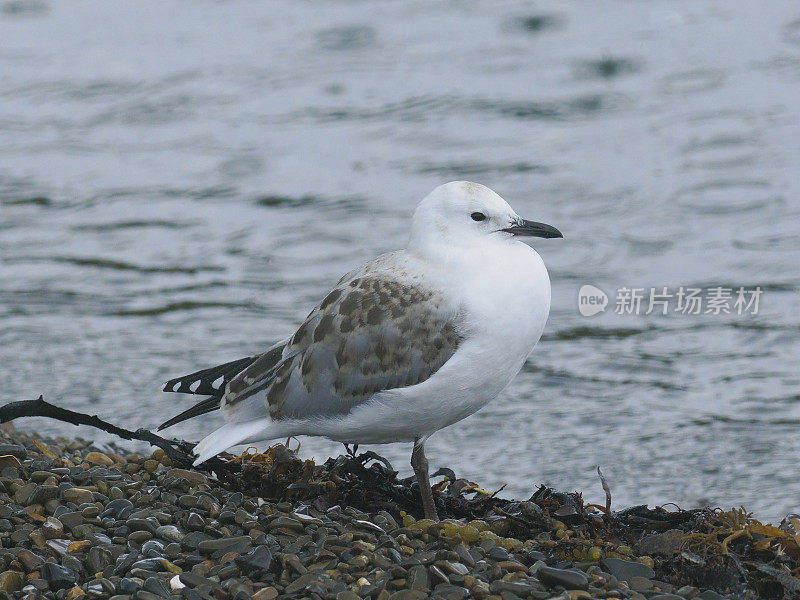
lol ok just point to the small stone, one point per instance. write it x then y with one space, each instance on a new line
29 560
293 562
42 494
24 492
73 564
98 559
438 577
170 566
301 583
149 524
58 546
147 564
191 540
512 566
450 592
358 562
36 537
454 567
77 495
170 533
711 595
98 458
11 581
666 597
91 511
71 520
152 549
418 578
79 546
270 593
464 555
176 584
151 465
8 460
689 592
119 508
286 523
173 550
209 546
640 584
187 501
140 536
84 531
408 595
498 553
520 588
257 560
193 477
194 580
195 522
128 585
14 450
572 580
75 592
154 586
52 528
625 569
578 594
58 577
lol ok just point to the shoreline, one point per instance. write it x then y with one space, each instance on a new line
77 521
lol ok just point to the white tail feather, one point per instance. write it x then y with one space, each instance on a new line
232 434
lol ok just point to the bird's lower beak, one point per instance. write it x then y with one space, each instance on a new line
523 227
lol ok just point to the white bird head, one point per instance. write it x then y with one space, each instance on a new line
462 213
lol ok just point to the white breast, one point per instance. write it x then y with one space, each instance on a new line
504 297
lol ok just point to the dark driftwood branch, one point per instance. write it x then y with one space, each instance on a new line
178 451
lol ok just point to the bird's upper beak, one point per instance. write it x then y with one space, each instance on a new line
523 227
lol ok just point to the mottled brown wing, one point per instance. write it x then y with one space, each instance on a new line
368 335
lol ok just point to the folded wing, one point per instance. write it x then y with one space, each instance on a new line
370 333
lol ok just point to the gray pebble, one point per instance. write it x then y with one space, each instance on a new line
120 508
209 546
128 585
154 586
58 577
570 579
625 569
169 533
14 450
418 578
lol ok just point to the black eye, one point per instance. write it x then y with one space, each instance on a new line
478 216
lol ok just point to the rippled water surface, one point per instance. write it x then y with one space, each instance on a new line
181 181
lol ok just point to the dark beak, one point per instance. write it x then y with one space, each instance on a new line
523 227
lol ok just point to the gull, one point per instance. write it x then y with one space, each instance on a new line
411 342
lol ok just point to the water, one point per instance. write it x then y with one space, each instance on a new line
180 182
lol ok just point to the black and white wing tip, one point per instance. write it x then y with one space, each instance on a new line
208 381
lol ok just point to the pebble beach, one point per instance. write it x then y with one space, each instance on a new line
78 521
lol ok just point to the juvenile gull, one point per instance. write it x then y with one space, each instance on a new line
413 341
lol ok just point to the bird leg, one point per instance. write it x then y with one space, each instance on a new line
420 465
